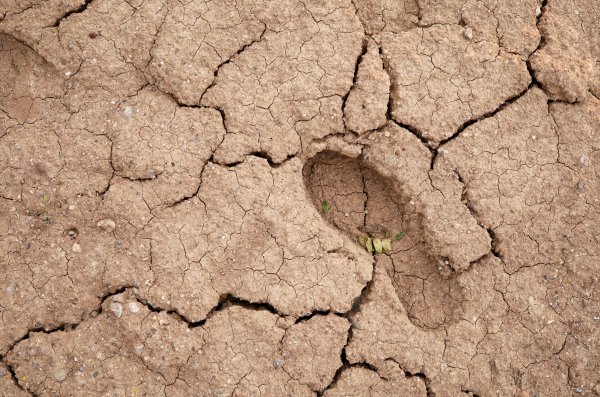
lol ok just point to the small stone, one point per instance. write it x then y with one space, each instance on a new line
128 112
468 33
579 389
107 225
73 233
71 207
116 308
538 11
60 375
278 363
133 307
76 247
585 160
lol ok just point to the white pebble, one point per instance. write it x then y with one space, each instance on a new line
107 225
538 12
128 111
278 363
468 33
76 247
133 307
60 375
585 160
116 308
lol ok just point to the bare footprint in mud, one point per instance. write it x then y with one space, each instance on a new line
361 201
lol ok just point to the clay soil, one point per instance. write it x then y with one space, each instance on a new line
184 185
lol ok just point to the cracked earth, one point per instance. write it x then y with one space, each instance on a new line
163 169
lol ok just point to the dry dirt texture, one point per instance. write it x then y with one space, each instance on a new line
183 185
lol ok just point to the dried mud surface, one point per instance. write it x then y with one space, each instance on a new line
163 171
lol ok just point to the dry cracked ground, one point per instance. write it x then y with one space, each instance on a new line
163 169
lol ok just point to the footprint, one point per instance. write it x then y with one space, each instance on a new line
361 202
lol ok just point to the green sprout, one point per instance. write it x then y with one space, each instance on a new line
15 66
379 245
386 244
41 210
325 206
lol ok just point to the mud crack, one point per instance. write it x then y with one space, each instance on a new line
77 10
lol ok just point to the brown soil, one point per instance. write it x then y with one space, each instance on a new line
184 184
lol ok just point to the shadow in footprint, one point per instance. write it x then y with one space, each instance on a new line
362 202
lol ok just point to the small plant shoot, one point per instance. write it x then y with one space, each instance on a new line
325 206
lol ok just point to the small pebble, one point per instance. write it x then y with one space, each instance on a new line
107 225
278 363
116 308
71 207
579 390
128 111
133 307
76 247
538 12
468 33
60 375
585 160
